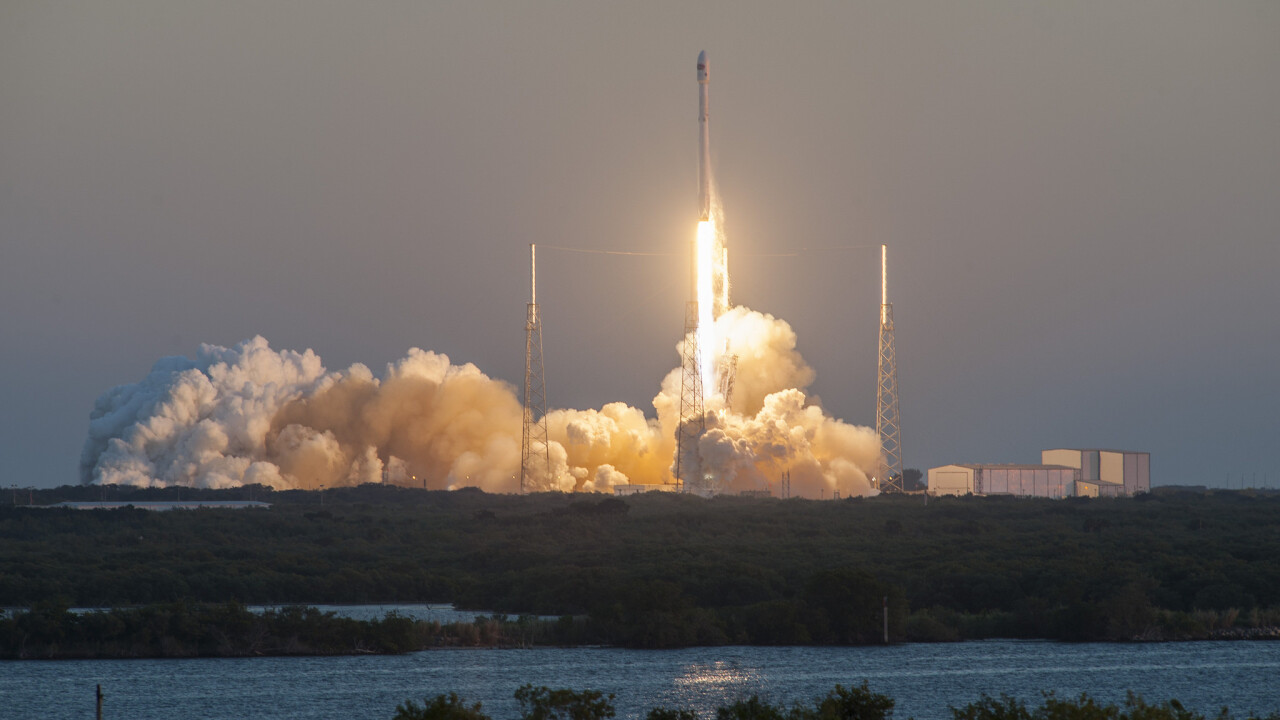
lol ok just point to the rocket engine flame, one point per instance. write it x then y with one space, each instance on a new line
705 272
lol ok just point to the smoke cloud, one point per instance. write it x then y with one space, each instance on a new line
252 414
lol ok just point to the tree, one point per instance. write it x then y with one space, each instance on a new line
913 479
669 714
443 707
856 703
989 708
543 703
751 709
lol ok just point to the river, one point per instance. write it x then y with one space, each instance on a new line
924 679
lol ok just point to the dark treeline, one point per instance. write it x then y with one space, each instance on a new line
663 570
49 631
841 703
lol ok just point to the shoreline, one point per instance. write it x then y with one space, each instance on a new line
199 631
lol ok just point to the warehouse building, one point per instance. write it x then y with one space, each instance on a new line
1065 472
1105 473
1048 481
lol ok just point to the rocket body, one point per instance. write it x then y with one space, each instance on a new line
704 138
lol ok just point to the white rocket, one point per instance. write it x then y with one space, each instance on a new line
704 138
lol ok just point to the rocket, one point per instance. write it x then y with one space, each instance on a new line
704 138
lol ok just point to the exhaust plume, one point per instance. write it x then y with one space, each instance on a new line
252 414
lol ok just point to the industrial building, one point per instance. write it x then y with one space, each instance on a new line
1051 481
1105 473
1065 472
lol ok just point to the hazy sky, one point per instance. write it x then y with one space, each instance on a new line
1081 202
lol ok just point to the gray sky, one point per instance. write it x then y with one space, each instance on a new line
1081 200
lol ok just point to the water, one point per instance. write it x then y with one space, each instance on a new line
923 679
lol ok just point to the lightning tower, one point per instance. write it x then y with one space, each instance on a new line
888 427
693 421
535 451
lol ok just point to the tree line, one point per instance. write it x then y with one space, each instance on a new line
857 702
663 570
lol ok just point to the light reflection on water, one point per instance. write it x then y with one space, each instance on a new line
717 674
923 679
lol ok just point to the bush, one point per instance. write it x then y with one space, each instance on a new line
543 703
444 707
1081 708
855 703
751 709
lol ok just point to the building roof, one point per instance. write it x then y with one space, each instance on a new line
1102 450
1009 466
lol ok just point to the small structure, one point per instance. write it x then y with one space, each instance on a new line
1047 481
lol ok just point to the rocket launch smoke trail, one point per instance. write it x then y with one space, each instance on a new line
251 414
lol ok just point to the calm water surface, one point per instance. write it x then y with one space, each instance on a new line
924 679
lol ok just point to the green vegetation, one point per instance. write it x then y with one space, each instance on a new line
179 630
1084 708
543 703
443 707
853 703
663 570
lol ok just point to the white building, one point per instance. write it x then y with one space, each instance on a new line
1105 473
1048 481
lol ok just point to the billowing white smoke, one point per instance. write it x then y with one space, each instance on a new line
250 414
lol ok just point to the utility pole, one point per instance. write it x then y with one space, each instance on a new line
886 619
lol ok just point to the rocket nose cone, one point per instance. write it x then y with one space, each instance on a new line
704 67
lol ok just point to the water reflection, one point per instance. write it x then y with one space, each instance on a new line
923 679
717 674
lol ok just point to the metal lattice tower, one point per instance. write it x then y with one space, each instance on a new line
888 425
693 421
535 450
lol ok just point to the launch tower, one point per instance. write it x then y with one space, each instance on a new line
535 451
693 421
889 478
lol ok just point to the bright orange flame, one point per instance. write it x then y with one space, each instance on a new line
706 256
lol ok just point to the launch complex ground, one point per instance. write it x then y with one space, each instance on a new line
709 363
